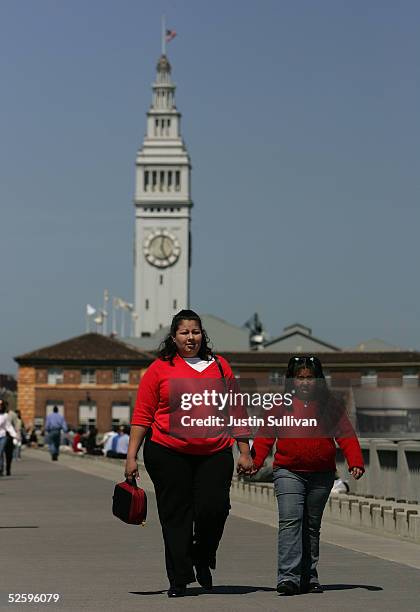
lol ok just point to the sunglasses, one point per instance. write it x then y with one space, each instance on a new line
304 359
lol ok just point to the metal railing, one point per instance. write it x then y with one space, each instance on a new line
392 469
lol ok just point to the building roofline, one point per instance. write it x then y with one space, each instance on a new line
294 333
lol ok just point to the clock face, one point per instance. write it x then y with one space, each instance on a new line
161 249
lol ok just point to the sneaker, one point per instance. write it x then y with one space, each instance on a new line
177 590
287 587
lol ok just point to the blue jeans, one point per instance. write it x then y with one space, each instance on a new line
54 437
2 445
301 498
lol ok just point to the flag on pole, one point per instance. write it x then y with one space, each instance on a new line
170 35
119 303
90 310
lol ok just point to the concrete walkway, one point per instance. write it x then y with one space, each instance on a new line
58 535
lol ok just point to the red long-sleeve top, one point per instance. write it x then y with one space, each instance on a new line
153 405
314 454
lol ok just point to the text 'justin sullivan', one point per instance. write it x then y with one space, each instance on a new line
251 421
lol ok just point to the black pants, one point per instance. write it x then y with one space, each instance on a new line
8 451
192 493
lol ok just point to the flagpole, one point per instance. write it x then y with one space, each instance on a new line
105 311
163 35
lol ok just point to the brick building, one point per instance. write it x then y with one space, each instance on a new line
92 379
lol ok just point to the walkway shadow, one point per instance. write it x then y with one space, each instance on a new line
148 592
344 587
19 526
217 590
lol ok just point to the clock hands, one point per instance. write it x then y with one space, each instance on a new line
162 250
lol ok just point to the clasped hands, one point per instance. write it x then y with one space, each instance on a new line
245 465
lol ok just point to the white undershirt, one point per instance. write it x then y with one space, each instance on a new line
197 363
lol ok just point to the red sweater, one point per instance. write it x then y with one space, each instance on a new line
152 408
315 454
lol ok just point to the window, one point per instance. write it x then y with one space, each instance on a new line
147 304
369 378
160 279
174 304
146 180
121 376
410 378
87 414
120 414
49 407
177 180
88 376
170 180
154 180
275 377
162 180
55 376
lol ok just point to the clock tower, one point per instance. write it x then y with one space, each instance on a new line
163 212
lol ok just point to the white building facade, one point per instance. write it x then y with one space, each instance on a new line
162 242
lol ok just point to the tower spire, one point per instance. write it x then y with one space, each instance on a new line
163 205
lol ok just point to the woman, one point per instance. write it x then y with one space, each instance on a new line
303 473
7 435
191 476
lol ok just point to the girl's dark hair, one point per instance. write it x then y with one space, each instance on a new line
167 349
322 393
330 408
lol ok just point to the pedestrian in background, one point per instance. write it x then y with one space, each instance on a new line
20 431
118 444
92 448
6 431
54 425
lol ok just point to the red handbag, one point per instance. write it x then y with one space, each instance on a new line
129 502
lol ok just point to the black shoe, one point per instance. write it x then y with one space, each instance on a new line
204 577
287 587
177 591
315 587
55 457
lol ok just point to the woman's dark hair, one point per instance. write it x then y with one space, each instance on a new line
322 393
3 406
167 349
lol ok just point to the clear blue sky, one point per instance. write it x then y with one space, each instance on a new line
302 121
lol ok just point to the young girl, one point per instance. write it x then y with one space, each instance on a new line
303 472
